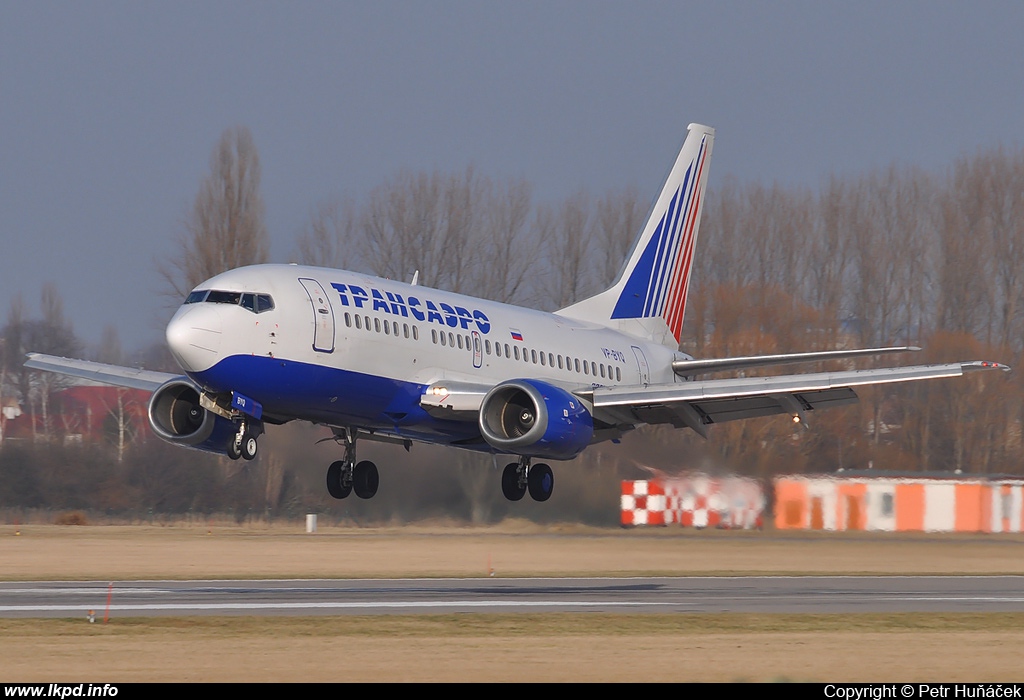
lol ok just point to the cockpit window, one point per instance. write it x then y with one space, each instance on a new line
218 297
257 303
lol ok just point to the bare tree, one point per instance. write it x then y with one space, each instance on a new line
829 256
965 283
119 419
110 350
619 218
564 233
329 240
52 335
225 228
503 243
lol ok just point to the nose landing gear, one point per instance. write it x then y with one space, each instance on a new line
244 443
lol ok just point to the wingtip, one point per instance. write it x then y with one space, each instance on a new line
985 364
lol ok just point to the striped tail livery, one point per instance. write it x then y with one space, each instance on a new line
649 297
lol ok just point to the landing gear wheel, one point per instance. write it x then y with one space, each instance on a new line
510 486
335 484
365 479
234 450
541 482
249 446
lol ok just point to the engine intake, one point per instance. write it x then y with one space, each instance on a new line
176 416
529 417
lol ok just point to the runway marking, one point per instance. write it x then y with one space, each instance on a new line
300 606
447 604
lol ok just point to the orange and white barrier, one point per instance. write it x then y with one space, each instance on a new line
643 503
899 504
696 500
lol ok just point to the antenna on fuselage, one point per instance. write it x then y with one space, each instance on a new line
415 278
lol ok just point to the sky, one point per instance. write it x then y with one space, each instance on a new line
109 111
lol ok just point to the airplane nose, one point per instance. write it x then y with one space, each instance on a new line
193 336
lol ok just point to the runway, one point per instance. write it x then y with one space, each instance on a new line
748 594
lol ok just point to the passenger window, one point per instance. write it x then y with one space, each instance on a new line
533 356
451 339
602 371
618 375
387 329
543 360
576 362
560 362
444 340
376 325
586 368
405 329
460 342
415 332
348 319
433 335
359 323
487 346
508 351
515 348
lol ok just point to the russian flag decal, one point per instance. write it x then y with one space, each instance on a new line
516 335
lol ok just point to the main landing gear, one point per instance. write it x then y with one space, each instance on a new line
346 475
519 477
244 443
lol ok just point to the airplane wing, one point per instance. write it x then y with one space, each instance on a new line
686 368
129 377
697 404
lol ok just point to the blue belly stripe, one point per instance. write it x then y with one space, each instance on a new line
334 396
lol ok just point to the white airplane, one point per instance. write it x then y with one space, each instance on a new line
378 359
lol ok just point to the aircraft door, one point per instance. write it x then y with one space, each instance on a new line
323 315
478 353
641 362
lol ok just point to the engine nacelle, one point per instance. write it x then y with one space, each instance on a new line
176 416
528 417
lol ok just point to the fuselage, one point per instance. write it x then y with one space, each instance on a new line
352 350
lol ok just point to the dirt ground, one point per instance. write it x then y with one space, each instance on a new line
603 648
556 647
188 551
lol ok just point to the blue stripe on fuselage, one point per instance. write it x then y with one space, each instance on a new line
333 396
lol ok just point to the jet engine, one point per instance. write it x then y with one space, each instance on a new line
529 417
176 416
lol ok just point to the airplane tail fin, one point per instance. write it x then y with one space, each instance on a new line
649 297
